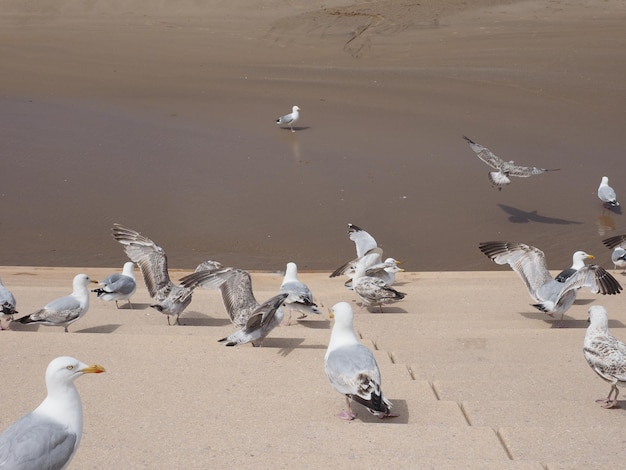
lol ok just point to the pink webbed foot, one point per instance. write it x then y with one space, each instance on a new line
608 404
348 416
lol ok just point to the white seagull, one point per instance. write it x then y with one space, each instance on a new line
618 243
255 321
351 367
7 304
551 296
373 290
605 354
607 194
500 178
578 261
49 436
65 310
119 286
171 300
299 296
289 119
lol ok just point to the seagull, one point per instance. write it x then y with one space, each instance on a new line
65 310
119 286
605 354
299 296
500 178
373 290
551 296
49 436
386 271
254 320
618 243
289 119
607 194
7 304
351 367
578 261
619 258
171 300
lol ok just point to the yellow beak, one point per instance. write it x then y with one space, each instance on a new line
95 369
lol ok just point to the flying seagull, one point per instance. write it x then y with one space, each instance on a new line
551 296
500 178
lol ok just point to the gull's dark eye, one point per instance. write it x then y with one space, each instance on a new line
70 367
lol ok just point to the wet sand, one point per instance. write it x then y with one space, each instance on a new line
162 118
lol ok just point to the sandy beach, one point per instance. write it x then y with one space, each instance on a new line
161 117
479 379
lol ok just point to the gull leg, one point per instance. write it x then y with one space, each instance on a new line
608 403
347 415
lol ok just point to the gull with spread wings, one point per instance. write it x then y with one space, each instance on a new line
500 178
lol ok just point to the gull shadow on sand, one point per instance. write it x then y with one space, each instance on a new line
100 329
518 216
295 128
314 324
399 408
200 319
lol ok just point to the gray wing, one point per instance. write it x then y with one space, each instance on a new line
33 442
371 257
345 366
299 297
150 258
375 290
363 241
119 283
618 240
259 324
607 357
527 261
63 304
606 193
523 171
596 278
7 301
485 154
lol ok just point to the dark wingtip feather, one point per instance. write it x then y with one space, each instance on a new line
612 242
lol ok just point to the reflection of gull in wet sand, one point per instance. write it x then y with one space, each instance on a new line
7 304
65 310
171 300
119 286
255 320
299 296
607 194
289 119
351 367
49 436
578 261
551 296
505 169
605 354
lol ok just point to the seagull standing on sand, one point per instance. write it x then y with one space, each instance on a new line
551 296
373 290
619 258
299 296
500 178
119 286
605 354
618 243
171 300
7 304
351 367
607 194
65 310
578 261
48 437
289 119
255 321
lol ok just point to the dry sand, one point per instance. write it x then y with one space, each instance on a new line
480 380
160 116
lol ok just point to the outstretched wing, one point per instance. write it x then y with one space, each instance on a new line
485 154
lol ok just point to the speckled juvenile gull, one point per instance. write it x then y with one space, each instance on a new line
65 310
7 304
299 296
373 290
605 354
607 194
500 178
119 286
578 261
289 119
552 297
351 367
171 300
49 436
386 271
255 321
